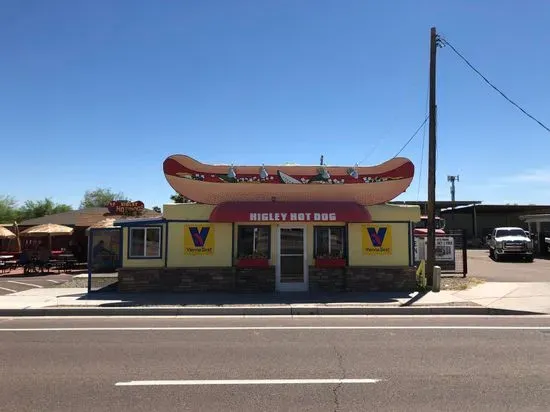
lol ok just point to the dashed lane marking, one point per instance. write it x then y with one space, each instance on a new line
275 328
246 382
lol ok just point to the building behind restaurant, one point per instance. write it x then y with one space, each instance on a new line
80 220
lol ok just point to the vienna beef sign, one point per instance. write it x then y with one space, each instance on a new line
292 217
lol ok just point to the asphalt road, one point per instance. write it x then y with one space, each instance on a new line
406 363
11 284
482 266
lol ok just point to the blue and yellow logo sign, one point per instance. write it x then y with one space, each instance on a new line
198 240
377 239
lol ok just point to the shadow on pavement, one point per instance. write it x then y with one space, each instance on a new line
221 298
414 299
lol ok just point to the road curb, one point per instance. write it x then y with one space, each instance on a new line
261 311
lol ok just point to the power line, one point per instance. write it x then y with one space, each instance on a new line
369 154
445 42
412 137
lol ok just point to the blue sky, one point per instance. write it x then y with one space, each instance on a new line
98 93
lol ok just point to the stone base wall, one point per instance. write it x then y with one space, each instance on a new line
215 279
255 279
327 279
380 279
229 279
362 279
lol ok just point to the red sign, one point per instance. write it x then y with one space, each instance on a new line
122 207
290 212
293 217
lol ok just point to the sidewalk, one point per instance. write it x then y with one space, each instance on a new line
530 296
485 299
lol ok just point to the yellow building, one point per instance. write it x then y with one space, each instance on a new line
267 246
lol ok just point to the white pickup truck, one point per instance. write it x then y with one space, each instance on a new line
510 241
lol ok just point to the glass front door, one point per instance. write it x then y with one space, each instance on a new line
292 264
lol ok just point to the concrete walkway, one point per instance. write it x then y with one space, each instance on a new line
487 298
532 296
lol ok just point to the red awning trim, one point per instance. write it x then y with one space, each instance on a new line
290 212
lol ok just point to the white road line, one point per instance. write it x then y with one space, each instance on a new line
246 382
25 284
9 290
241 328
288 317
53 281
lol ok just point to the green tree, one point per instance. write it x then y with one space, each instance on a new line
177 198
32 209
157 209
8 209
100 197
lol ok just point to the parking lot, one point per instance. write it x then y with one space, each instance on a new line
12 284
480 265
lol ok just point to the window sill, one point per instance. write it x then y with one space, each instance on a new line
144 257
330 263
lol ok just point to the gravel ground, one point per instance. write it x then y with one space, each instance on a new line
459 283
97 283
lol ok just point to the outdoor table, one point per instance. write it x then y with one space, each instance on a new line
4 267
65 262
65 255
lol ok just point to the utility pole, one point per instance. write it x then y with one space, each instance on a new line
430 258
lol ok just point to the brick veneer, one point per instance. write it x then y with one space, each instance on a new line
226 279
362 279
380 279
327 279
229 279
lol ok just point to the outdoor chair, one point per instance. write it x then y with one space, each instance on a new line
43 266
28 264
11 265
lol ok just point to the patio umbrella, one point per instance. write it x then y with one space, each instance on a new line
107 223
49 229
6 234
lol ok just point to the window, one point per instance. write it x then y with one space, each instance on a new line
254 241
145 242
329 241
509 232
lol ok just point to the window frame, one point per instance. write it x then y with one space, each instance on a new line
240 227
144 256
344 240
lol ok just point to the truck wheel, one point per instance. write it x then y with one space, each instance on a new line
530 259
495 256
